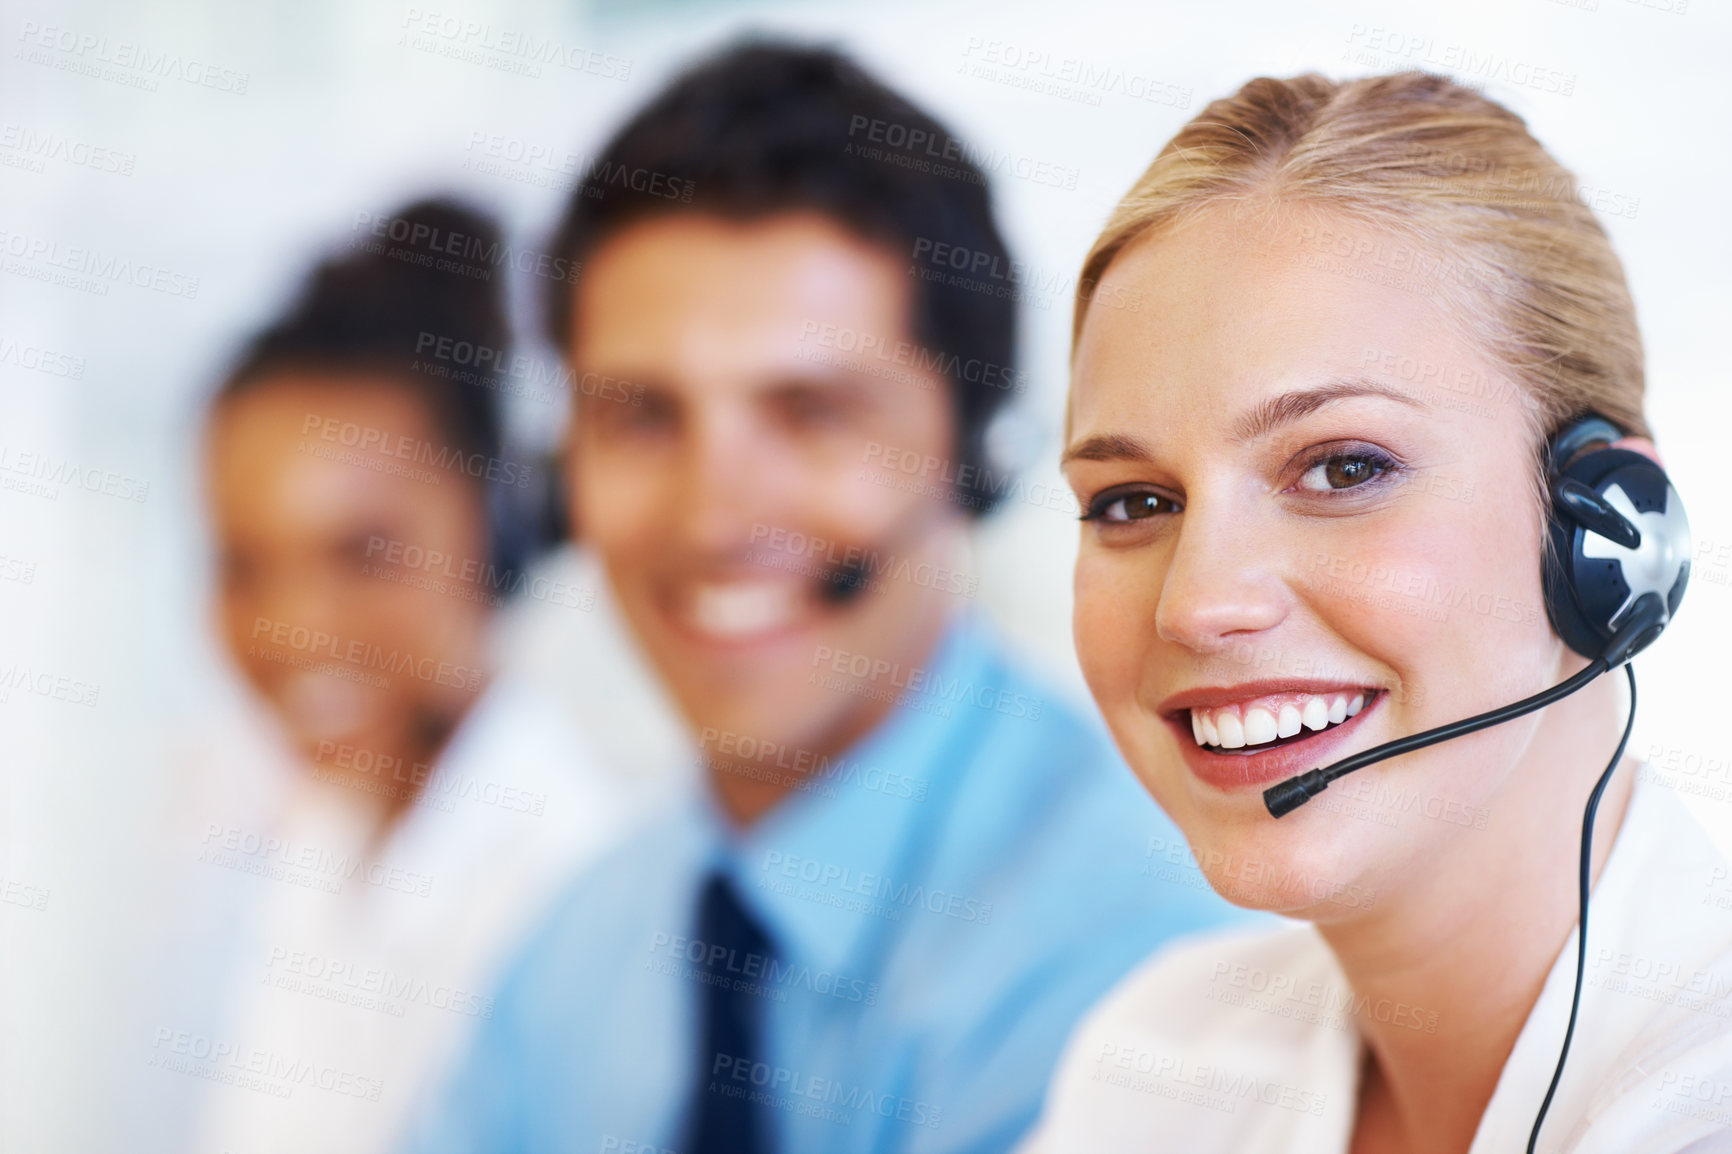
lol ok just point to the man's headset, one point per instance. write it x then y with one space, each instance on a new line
1616 562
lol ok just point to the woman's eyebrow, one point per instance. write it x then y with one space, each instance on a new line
1268 415
1273 412
1107 447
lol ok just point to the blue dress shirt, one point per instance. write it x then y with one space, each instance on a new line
945 901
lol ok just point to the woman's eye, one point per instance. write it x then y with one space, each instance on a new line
1344 471
1137 506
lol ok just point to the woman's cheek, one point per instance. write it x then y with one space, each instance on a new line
1115 637
1109 629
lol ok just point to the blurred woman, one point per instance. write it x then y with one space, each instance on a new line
1377 331
360 501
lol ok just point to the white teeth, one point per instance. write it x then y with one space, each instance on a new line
1288 723
1259 726
741 609
1238 726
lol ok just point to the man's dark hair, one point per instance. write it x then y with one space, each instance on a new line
763 129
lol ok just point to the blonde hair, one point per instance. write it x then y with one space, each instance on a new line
1514 249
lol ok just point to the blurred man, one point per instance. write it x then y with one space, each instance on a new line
912 868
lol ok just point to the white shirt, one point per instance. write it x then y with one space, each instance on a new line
358 972
1246 1043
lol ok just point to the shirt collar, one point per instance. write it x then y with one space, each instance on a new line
1653 948
815 868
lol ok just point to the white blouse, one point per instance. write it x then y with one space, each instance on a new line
358 971
1246 1043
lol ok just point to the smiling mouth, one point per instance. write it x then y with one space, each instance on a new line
741 610
1273 721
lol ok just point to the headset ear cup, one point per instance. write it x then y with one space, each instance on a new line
1562 609
1590 583
504 536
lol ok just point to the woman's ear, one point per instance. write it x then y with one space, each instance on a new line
1640 445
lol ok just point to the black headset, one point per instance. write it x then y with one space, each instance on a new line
1616 563
1619 544
1617 560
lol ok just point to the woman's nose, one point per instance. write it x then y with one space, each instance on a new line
1223 584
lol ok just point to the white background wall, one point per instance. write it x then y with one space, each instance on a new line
340 114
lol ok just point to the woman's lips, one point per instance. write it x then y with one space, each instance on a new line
1247 767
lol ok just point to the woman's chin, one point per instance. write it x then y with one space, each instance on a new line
1294 871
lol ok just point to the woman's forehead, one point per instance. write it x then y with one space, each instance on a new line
1224 322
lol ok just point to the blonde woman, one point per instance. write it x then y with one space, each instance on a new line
1315 472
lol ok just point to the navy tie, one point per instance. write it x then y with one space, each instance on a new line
728 1118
